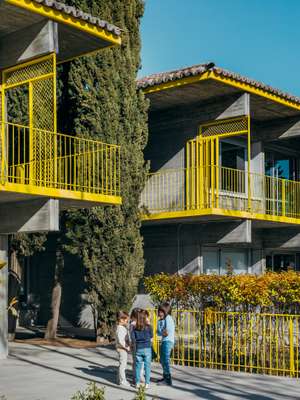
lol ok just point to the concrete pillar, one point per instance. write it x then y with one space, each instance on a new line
258 170
3 297
258 262
257 158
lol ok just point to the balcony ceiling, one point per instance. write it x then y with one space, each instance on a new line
7 197
209 90
207 82
76 35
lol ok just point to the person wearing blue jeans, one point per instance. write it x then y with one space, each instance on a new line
166 329
141 337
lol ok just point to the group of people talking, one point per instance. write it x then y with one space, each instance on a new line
134 334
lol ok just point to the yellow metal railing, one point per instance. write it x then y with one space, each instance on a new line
221 188
74 163
233 341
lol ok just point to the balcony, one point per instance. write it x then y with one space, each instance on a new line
37 162
217 192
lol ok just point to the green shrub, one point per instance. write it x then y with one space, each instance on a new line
141 394
92 392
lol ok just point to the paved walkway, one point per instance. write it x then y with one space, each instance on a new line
35 372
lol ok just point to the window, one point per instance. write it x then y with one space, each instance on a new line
219 261
279 165
282 262
235 259
211 261
232 156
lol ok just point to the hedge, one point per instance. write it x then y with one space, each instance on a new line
271 292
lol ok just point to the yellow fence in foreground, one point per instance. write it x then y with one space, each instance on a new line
47 159
233 341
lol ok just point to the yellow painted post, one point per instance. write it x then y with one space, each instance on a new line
204 337
201 186
217 172
3 129
187 177
31 141
54 120
212 172
283 181
249 163
193 174
292 355
197 173
154 326
206 173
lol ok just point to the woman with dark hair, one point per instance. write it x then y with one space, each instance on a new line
166 329
141 337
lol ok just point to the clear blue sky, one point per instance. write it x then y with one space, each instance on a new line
256 38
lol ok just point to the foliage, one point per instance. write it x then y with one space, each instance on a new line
100 96
271 292
141 393
12 307
92 392
26 245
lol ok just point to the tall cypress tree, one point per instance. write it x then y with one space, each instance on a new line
100 100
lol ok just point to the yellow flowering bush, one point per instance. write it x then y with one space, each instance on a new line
271 292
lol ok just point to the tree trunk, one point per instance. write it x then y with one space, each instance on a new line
55 306
14 284
51 329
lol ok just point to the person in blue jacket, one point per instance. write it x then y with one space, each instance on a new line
166 329
141 337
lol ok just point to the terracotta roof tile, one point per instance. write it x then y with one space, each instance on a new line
75 12
164 77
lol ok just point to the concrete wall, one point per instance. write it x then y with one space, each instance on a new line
35 41
180 248
35 215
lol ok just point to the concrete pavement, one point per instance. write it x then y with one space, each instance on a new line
37 372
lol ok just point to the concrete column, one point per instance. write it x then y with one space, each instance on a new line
258 169
258 262
3 297
257 158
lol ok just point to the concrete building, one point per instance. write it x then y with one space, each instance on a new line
205 207
224 188
42 171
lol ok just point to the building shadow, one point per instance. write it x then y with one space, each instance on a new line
107 373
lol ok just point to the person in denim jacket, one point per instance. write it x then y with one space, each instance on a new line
166 329
141 336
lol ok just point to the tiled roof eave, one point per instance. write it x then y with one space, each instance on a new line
165 77
79 14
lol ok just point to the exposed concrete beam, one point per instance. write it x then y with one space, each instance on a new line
281 238
241 106
29 216
237 232
281 129
37 40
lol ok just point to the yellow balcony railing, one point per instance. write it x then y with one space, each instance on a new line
48 160
218 189
235 341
